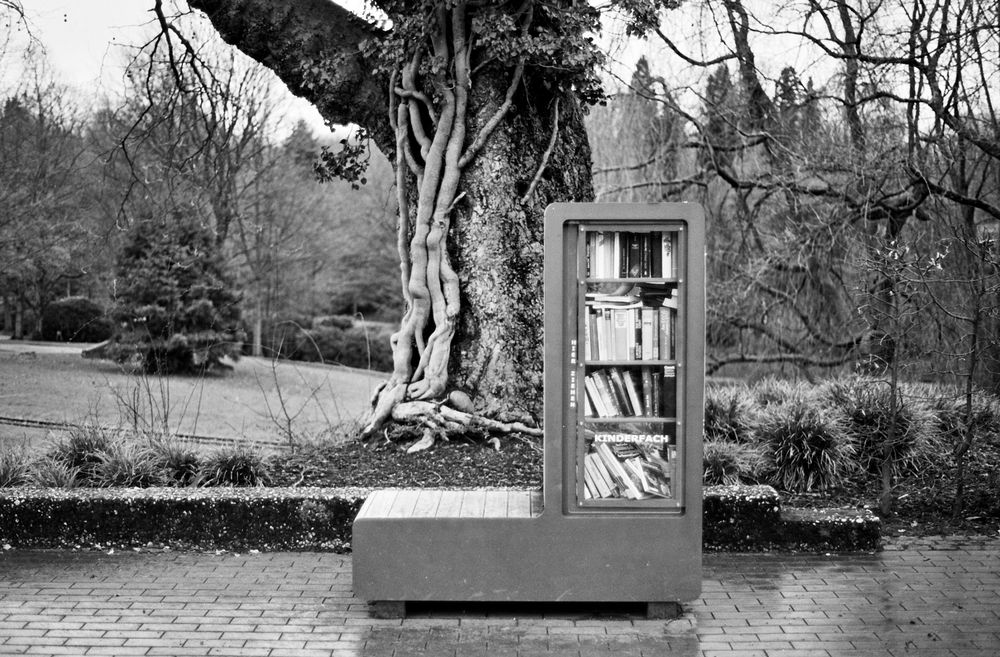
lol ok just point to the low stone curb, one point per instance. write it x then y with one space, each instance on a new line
736 518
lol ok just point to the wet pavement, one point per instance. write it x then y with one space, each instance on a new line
927 598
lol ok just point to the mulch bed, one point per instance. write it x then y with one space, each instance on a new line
923 505
383 464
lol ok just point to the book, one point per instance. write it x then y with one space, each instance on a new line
600 483
607 394
648 399
621 394
655 339
656 255
594 397
621 476
633 266
657 393
665 337
634 393
632 348
620 332
595 342
648 337
604 333
667 248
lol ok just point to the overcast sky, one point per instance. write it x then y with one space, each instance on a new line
87 43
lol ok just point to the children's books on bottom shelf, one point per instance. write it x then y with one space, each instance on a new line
634 467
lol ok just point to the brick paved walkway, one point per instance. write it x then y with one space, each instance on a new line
935 598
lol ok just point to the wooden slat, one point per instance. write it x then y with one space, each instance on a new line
378 503
402 506
495 505
427 504
519 504
450 504
536 502
473 504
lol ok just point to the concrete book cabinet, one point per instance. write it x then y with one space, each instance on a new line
619 516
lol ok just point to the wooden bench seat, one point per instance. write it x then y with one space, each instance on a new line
427 503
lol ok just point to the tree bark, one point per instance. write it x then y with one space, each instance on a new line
497 353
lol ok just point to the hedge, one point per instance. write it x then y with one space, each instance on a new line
736 518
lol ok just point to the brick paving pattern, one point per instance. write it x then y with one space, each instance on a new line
927 599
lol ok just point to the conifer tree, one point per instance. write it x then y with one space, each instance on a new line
175 308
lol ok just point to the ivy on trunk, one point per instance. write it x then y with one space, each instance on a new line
480 106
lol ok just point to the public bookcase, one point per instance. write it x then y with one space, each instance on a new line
619 516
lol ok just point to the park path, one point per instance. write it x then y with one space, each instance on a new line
930 598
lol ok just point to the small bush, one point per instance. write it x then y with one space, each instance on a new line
75 319
729 414
872 417
809 446
354 347
238 465
49 472
729 464
15 467
178 461
126 464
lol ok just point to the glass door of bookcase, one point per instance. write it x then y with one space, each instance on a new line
630 300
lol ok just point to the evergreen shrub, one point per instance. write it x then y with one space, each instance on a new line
75 319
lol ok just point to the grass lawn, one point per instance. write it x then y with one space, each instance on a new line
45 384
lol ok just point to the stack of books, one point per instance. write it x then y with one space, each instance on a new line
622 469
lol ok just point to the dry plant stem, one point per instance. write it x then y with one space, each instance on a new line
410 412
546 155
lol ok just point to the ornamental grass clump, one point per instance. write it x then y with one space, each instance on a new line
125 464
49 472
773 391
236 465
728 464
81 448
15 467
886 425
809 447
729 414
948 406
177 460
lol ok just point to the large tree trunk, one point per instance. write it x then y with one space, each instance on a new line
481 147
497 353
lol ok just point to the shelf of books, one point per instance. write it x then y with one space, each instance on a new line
628 307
